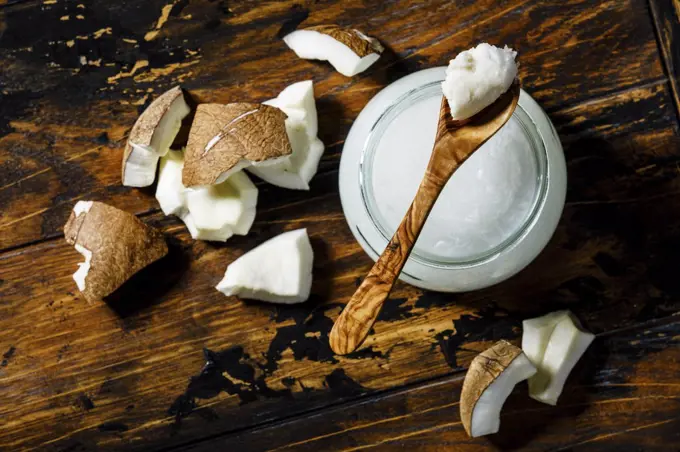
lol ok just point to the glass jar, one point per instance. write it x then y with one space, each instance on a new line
373 225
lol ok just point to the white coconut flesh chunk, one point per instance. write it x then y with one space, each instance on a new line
348 51
567 344
219 211
170 192
277 271
83 267
489 381
151 137
477 77
297 101
536 334
295 172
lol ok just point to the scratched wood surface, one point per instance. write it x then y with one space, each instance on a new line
106 376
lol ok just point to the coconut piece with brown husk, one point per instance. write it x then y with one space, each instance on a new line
115 244
227 138
489 381
348 50
151 137
297 102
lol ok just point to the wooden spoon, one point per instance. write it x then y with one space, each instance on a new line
454 143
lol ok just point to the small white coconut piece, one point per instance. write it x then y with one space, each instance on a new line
477 77
348 50
224 139
297 101
277 271
115 244
151 137
219 211
170 192
568 341
489 381
212 213
536 334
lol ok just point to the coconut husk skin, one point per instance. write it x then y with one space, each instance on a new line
121 245
353 39
484 369
146 124
222 136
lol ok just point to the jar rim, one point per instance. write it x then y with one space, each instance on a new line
368 152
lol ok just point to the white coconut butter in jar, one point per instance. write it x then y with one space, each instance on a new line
494 216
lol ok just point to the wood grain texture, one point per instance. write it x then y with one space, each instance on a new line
108 376
454 143
666 16
71 93
132 374
623 395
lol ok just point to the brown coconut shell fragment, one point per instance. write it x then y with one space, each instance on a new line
143 130
357 41
120 244
484 369
223 137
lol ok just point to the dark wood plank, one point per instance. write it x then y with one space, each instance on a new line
97 377
71 93
666 15
622 396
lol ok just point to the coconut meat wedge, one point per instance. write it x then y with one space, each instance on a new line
567 343
151 137
277 271
295 173
348 50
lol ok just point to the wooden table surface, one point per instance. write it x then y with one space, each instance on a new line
126 374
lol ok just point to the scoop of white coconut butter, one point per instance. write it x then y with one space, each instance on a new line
477 77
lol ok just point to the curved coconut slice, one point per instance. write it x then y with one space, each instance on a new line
278 271
217 212
568 341
489 381
297 101
227 138
116 245
348 50
151 137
